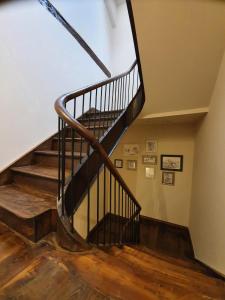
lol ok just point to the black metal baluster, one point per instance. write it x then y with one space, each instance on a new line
81 138
125 93
104 110
73 138
100 113
98 207
63 166
122 214
59 157
95 114
104 204
112 99
114 227
110 208
129 96
88 146
109 95
88 210
133 83
119 219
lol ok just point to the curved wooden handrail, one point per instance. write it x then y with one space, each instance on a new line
72 95
60 107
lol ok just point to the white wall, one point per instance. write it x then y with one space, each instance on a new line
40 61
123 46
167 203
207 215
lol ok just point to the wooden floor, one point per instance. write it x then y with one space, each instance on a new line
44 271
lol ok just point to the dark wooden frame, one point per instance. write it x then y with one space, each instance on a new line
166 172
115 160
148 163
167 169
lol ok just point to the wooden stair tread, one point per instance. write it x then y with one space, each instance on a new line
39 170
23 204
56 153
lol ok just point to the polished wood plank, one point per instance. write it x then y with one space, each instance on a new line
45 271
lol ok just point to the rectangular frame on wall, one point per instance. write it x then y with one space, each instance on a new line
172 167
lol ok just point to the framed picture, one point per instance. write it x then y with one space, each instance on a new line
132 165
149 159
150 172
172 162
151 146
168 178
118 163
130 149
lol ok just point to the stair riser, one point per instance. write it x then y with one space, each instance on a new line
52 161
29 182
97 123
109 115
96 132
34 229
68 146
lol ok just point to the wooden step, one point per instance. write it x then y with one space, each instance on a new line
79 144
31 215
38 177
49 158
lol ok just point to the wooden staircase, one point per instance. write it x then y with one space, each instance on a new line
28 189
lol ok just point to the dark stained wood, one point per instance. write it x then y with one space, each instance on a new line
44 271
171 239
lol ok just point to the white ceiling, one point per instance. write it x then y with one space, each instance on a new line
181 45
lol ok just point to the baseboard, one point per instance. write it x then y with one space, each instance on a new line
180 228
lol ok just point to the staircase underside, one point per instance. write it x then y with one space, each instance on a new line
43 271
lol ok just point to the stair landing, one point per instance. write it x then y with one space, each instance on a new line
43 271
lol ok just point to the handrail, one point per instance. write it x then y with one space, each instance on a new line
60 107
66 97
48 5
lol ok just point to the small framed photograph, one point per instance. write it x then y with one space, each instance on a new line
172 162
118 163
132 165
149 159
151 146
130 149
168 178
150 172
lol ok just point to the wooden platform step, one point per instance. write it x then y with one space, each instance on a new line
31 215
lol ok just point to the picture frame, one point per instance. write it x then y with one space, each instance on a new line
168 178
149 159
132 165
130 149
151 146
118 163
150 172
171 162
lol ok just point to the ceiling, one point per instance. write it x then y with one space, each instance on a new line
181 45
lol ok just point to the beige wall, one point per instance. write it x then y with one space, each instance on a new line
181 45
207 215
169 203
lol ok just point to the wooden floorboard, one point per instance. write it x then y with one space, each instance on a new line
44 271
